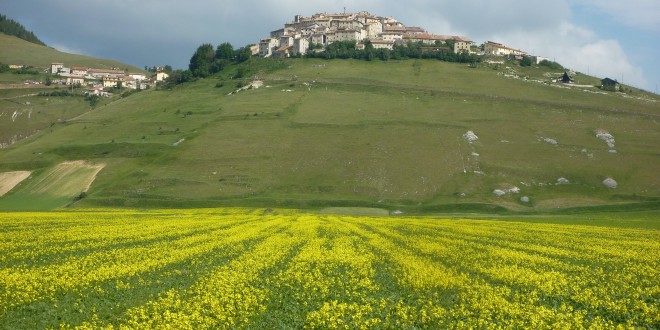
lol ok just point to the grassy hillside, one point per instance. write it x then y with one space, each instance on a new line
21 52
386 135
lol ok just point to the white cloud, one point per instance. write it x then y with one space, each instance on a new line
68 49
640 14
579 49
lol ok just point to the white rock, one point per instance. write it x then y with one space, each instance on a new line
610 183
470 136
524 199
563 181
499 192
551 141
607 137
514 190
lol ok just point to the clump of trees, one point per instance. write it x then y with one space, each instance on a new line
552 65
411 50
207 61
526 61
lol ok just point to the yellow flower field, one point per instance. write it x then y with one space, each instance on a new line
243 268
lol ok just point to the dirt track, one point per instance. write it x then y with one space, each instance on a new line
9 180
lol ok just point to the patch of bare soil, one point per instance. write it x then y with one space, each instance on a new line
9 180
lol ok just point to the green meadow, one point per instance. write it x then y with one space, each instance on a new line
345 133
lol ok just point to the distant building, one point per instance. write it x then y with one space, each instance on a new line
462 45
609 84
494 48
55 67
75 80
267 46
161 76
324 29
137 76
538 59
105 73
79 71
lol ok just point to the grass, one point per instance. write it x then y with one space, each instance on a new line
360 134
20 52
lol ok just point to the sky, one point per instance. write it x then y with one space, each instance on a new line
605 38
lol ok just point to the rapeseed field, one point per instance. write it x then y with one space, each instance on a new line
246 268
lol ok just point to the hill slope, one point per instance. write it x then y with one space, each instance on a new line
21 52
348 133
10 27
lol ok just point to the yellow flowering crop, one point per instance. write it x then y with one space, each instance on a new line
247 268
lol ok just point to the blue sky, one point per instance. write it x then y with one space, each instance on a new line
613 38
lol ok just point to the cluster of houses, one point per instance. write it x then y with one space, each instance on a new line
98 79
320 30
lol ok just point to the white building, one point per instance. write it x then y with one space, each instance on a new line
494 48
267 46
55 67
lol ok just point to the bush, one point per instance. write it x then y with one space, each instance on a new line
526 61
551 65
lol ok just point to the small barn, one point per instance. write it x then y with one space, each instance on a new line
609 84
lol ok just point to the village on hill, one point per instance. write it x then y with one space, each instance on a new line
307 34
97 79
313 34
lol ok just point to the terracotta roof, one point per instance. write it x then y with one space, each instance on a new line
106 71
283 48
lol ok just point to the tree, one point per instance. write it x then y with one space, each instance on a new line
368 50
200 62
225 51
552 65
526 61
243 54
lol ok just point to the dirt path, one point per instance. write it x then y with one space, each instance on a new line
9 180
68 178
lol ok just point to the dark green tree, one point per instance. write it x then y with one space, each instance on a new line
225 51
243 54
201 61
526 61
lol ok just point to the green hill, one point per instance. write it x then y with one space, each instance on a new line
343 133
10 27
20 52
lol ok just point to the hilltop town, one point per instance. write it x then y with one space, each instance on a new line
314 33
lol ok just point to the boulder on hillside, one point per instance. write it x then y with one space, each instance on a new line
610 183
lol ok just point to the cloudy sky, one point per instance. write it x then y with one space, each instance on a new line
606 38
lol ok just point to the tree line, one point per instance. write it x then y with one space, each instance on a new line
13 28
208 60
411 50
